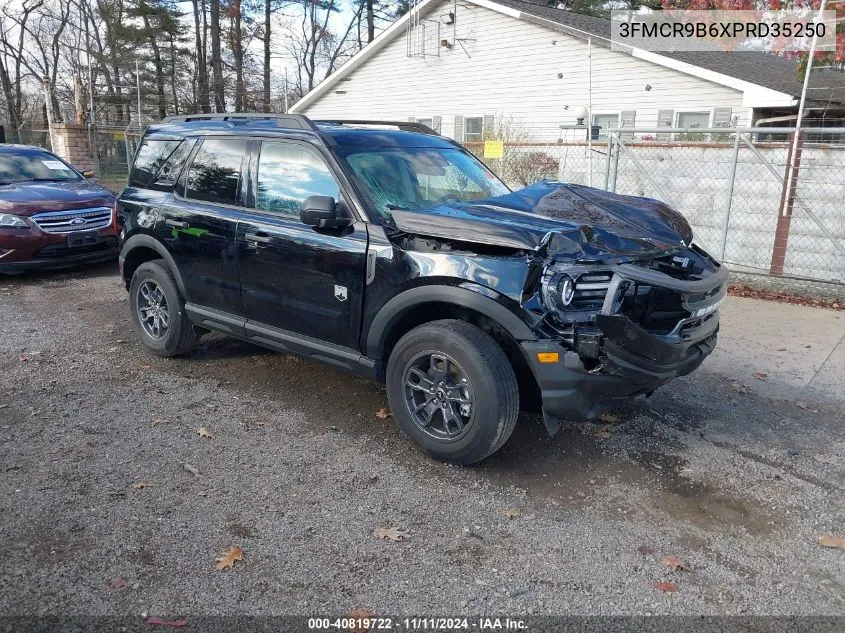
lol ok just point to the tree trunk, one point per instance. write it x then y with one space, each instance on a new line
371 22
238 54
216 59
202 67
266 95
159 70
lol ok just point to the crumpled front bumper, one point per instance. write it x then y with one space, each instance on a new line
632 361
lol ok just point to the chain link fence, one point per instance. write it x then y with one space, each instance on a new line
749 203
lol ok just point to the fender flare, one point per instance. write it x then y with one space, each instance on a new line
147 241
399 305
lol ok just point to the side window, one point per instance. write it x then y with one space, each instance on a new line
473 129
151 156
173 167
216 171
287 174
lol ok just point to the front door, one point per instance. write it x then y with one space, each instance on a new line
294 277
198 224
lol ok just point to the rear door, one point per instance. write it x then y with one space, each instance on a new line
198 223
296 278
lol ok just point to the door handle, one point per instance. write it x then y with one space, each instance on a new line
179 224
261 238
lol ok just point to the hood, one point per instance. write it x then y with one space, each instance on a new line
562 219
29 198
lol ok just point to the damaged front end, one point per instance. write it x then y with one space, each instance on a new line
624 329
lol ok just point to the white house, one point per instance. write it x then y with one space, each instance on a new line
456 65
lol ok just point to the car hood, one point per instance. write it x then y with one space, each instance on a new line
29 198
575 221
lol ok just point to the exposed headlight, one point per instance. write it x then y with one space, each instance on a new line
8 220
575 293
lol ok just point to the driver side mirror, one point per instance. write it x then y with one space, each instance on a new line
324 212
88 174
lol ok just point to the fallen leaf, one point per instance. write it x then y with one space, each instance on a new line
739 387
157 421
668 587
228 558
383 414
512 513
192 469
141 485
359 614
204 432
23 358
761 376
835 306
610 418
645 550
831 540
392 533
604 432
674 563
174 624
146 366
117 583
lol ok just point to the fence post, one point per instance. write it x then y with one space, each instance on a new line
787 202
607 164
729 201
613 140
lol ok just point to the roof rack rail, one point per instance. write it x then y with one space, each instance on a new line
405 126
296 121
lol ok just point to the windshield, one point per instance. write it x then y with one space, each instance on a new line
417 178
33 167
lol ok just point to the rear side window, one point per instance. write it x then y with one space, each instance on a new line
215 174
151 156
173 167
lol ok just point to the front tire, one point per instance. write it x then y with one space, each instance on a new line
158 311
452 391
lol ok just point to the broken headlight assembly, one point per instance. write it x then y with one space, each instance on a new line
574 293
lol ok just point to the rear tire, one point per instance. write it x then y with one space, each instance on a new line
452 391
157 309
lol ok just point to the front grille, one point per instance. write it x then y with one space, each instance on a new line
590 291
74 220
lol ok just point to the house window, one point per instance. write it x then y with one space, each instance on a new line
473 129
694 120
605 122
426 122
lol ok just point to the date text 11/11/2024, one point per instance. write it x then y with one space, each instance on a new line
374 623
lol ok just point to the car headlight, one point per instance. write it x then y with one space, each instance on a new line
8 220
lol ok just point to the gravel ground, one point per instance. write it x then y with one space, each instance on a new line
101 515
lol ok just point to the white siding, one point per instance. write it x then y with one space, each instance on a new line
505 66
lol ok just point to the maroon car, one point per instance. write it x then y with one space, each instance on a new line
51 216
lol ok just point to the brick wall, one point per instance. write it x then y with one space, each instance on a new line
71 143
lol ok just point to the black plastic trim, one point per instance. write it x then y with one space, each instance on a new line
142 239
394 309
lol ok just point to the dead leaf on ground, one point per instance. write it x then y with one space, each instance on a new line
761 376
674 563
23 358
391 533
383 414
739 387
141 485
645 550
146 366
604 433
204 432
668 587
157 421
359 614
117 583
610 418
228 558
512 513
173 624
192 469
831 540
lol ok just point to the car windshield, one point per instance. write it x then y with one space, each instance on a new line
417 178
29 166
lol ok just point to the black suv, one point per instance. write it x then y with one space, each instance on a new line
391 252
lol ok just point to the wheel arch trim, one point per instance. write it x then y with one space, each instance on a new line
460 296
143 240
